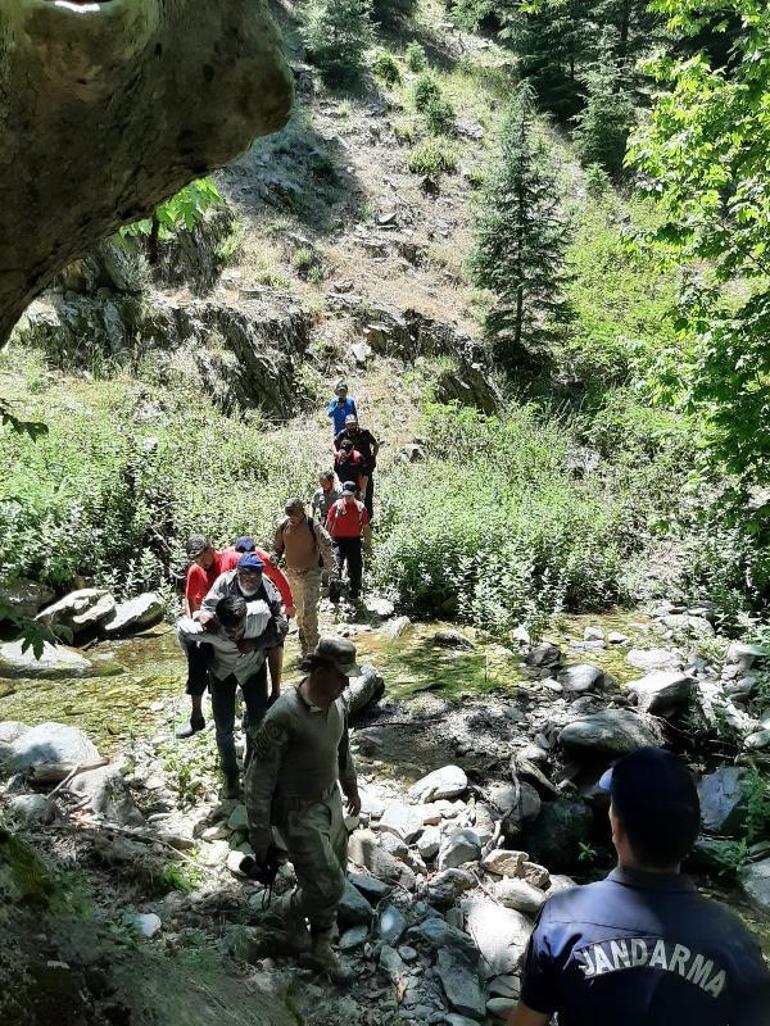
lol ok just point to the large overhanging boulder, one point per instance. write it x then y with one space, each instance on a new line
107 108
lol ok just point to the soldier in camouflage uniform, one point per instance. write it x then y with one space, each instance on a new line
300 755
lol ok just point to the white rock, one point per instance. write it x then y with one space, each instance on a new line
593 634
233 862
147 923
460 847
580 678
662 691
502 862
405 821
56 661
654 659
520 895
11 730
215 853
447 782
616 638
76 604
501 935
32 809
428 843
135 615
52 744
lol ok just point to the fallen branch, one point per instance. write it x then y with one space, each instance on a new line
78 769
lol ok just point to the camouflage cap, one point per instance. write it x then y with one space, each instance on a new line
341 653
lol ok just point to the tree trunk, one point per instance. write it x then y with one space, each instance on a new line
107 109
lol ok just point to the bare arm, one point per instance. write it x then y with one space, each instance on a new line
523 1016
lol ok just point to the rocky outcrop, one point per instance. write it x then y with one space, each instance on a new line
97 123
55 746
136 614
79 611
54 662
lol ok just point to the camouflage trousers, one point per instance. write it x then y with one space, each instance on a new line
306 594
317 842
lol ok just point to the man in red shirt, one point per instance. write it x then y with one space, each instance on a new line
205 567
348 524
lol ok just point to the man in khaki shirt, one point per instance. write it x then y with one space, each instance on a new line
300 758
304 544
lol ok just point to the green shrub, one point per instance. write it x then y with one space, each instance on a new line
415 57
497 529
425 90
393 13
430 100
431 158
385 66
337 34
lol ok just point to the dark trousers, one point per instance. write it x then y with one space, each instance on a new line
198 659
348 550
369 497
254 691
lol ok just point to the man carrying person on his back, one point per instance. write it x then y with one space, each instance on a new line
299 754
348 525
205 567
643 948
247 581
365 443
232 554
235 638
340 407
306 547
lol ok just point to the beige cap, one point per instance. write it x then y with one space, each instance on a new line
341 653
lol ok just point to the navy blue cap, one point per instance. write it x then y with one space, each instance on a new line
251 561
245 544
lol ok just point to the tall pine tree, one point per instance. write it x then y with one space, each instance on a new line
520 242
603 125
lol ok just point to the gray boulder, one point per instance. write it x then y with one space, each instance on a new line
11 730
32 809
55 662
54 745
501 935
609 732
723 800
448 885
354 909
79 609
364 690
453 639
544 655
519 895
459 847
461 983
108 794
755 881
396 627
662 692
503 862
405 821
758 740
555 837
378 607
653 659
437 933
390 962
447 782
429 842
582 677
372 889
744 655
363 850
26 596
135 615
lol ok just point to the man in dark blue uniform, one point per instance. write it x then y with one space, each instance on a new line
643 948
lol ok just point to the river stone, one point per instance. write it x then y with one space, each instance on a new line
396 627
437 933
758 740
354 909
461 983
744 654
503 862
108 794
653 659
448 885
500 1007
560 882
526 809
536 875
146 923
447 782
429 843
453 639
238 819
390 962
55 662
353 938
662 692
616 638
135 615
381 608
74 604
580 678
405 821
545 654
609 732
556 835
32 809
755 881
391 925
519 895
373 890
723 800
501 935
11 730
459 847
26 596
363 850
102 609
52 744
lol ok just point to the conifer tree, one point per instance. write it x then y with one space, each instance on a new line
520 241
603 125
337 33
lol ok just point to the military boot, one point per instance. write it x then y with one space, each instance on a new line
324 958
290 920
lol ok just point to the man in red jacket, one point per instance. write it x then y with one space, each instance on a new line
205 567
348 524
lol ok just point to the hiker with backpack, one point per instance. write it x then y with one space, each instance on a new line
349 465
363 442
306 549
325 495
348 524
340 407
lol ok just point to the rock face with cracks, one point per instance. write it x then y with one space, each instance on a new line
107 108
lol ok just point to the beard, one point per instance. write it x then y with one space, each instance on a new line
248 592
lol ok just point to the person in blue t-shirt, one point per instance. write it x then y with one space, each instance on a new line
643 948
341 407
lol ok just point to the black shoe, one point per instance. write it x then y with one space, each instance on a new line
195 726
